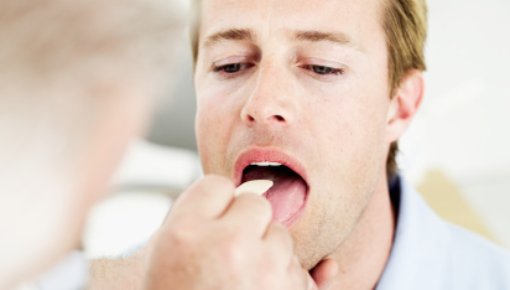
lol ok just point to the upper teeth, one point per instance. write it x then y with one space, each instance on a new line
266 163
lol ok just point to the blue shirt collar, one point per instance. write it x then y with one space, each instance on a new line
419 248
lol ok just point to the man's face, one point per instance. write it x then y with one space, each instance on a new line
303 84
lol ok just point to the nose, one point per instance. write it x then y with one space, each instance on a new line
270 102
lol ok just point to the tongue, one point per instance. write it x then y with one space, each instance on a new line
287 195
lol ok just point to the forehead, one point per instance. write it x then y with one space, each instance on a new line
358 19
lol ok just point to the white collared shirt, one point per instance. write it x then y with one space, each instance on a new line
431 254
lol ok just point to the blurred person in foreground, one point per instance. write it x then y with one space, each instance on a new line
77 83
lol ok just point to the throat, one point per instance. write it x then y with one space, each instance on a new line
363 255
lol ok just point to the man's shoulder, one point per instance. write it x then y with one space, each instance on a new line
476 262
431 253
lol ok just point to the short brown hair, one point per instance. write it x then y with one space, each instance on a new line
405 25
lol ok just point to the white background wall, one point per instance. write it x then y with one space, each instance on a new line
464 125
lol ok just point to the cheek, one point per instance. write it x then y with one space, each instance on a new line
206 142
367 134
213 131
353 141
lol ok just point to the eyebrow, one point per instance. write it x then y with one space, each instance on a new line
230 34
316 36
241 34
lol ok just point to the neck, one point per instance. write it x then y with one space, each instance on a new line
362 257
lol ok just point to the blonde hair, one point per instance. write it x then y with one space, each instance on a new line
405 25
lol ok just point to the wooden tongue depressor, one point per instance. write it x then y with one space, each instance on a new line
257 186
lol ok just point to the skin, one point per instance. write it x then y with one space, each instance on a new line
79 180
212 240
321 97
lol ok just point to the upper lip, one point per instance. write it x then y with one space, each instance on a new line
258 154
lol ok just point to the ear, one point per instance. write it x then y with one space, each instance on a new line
404 104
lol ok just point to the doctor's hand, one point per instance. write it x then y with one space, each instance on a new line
214 240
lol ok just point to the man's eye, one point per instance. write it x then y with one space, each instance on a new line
231 68
323 70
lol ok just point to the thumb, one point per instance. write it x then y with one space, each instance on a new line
324 272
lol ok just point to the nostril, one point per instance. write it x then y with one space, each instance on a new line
262 117
279 118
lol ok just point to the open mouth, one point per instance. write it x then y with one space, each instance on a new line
289 192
